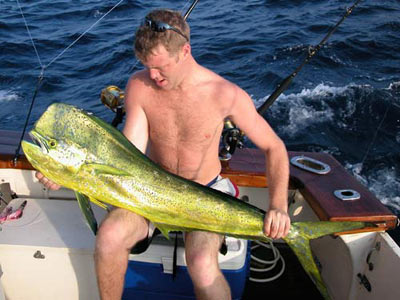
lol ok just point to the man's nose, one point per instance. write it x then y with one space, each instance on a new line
154 73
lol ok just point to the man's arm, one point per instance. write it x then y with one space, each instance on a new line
244 114
136 125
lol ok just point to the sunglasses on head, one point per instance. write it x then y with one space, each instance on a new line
159 26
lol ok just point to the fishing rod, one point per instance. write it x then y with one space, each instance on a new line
232 137
189 11
312 51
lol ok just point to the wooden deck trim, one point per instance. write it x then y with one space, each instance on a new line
248 164
6 162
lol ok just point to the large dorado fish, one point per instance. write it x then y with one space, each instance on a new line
83 153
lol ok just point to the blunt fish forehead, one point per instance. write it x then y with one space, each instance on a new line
75 126
65 122
61 121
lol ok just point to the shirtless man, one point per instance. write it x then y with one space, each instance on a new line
175 111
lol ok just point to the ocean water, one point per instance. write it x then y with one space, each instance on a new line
345 101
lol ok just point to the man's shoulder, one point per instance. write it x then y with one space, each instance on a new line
217 82
219 90
140 78
137 89
139 84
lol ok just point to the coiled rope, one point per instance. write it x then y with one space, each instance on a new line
270 264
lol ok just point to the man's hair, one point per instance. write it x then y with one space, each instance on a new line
147 39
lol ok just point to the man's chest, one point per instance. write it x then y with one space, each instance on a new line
184 120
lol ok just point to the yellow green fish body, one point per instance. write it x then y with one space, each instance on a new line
83 153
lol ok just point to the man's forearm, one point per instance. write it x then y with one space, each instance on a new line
277 172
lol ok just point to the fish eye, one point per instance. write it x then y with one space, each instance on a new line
52 143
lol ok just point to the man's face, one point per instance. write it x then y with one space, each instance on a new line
163 68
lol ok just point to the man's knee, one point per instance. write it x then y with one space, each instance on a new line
202 254
203 268
120 230
201 260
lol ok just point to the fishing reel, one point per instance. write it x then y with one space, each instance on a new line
232 138
113 97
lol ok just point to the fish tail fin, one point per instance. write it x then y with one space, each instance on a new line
299 238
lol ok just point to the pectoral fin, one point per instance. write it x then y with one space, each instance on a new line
101 204
99 169
87 211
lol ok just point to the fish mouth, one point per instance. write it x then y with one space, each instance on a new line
39 141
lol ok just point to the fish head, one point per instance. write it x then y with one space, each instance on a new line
63 139
66 138
58 159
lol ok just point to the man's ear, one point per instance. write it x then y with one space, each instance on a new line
186 50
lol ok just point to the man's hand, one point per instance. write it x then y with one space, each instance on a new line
47 182
276 223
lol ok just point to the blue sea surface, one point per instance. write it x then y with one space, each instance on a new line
345 101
